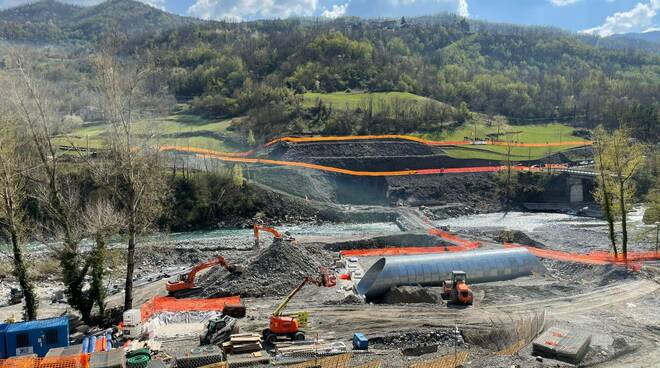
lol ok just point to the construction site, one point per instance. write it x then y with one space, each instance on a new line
416 264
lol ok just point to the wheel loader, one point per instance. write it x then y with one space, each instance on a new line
457 290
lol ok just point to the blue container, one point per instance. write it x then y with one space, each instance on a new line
36 337
360 342
3 353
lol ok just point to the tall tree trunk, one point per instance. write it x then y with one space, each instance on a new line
130 265
624 225
609 218
97 263
21 273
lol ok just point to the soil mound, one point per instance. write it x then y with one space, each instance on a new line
274 272
515 236
412 294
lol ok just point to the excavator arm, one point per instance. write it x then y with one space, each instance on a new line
202 266
187 281
258 228
285 302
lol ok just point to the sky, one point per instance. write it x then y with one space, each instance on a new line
598 17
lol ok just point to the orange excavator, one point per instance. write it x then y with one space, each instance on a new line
258 228
278 237
185 283
289 325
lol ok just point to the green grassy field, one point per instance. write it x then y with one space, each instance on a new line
176 129
353 100
542 133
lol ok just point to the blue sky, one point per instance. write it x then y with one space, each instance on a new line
602 17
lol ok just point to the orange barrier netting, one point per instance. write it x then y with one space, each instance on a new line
401 137
633 260
461 245
401 251
168 304
219 156
74 361
464 244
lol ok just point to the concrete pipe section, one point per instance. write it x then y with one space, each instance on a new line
432 269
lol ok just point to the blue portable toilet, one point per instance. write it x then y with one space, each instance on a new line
36 337
3 327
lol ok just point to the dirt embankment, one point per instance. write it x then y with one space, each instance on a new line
390 241
385 155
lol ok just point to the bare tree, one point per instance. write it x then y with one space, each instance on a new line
101 221
602 195
132 169
12 219
57 195
624 159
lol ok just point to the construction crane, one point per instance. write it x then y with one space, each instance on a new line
185 283
288 325
457 289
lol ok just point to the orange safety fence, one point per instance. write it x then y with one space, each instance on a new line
159 304
632 261
466 244
73 361
461 245
400 251
219 156
400 137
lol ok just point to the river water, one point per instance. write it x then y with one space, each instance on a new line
556 230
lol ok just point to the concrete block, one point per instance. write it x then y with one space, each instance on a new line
562 344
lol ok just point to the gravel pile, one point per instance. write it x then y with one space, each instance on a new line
274 272
516 236
413 294
416 338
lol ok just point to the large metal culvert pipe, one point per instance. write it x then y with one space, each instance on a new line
432 269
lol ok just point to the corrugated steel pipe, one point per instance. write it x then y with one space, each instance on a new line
432 269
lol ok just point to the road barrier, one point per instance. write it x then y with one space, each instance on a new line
73 361
449 361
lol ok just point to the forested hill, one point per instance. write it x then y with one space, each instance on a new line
529 74
49 21
259 69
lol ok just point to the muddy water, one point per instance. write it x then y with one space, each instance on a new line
556 230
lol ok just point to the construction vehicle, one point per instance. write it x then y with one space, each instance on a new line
218 330
185 283
289 325
278 237
15 296
457 289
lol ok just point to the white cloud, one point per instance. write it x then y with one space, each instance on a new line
564 2
336 11
640 18
4 4
462 8
250 9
